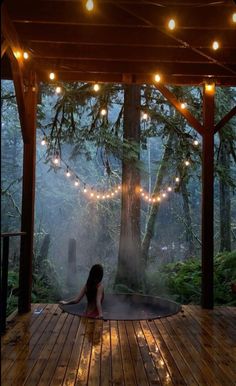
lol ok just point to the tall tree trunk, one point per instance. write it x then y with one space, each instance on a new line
129 257
188 220
225 201
149 232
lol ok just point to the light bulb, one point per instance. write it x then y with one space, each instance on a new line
89 5
169 189
177 179
103 112
159 199
96 87
91 194
58 90
187 163
25 55
141 189
43 142
17 54
171 24
85 190
68 174
157 78
234 17
119 187
52 75
209 87
56 160
163 194
215 45
76 183
145 116
183 105
195 142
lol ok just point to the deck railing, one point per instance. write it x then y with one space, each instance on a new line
4 275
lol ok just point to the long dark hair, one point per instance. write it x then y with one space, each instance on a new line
95 277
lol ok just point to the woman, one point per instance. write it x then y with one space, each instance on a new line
94 292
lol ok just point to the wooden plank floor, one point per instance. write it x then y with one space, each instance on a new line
49 347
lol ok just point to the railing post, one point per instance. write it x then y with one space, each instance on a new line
4 283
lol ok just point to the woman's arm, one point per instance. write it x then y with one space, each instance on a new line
76 299
100 291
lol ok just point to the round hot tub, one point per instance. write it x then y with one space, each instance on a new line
129 307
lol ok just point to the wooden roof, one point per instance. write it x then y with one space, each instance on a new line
127 40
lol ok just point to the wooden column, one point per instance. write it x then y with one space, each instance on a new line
28 196
207 300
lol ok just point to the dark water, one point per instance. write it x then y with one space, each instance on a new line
129 307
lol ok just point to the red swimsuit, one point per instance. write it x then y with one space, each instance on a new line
94 313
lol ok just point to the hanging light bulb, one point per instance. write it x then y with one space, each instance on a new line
157 78
96 87
195 142
169 188
171 24
52 75
163 194
210 87
215 45
68 174
145 116
103 112
58 89
177 179
76 182
25 55
187 163
43 142
183 105
89 5
56 160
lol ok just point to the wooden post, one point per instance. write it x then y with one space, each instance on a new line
71 268
207 300
4 282
28 195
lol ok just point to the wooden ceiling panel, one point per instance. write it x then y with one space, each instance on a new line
128 37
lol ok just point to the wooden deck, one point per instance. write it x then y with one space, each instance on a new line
194 347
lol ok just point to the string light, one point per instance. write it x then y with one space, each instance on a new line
195 142
58 89
43 142
89 5
25 55
183 105
171 24
96 87
169 189
68 174
56 160
177 179
234 17
52 75
210 88
187 163
76 182
215 45
145 116
157 78
103 112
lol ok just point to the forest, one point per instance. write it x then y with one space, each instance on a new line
118 182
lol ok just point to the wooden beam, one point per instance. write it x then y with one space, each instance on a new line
225 119
207 300
192 121
4 47
28 196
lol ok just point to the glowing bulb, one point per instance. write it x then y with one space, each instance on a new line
43 142
112 194
116 191
234 17
89 5
119 187
76 183
68 174
146 197
209 87
58 90
141 189
149 199
195 142
98 196
145 116
163 194
187 163
153 200
96 87
169 189
158 199
103 197
91 194
215 45
52 75
171 24
177 179
25 55
183 106
103 112
157 78
56 160
85 190
143 194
